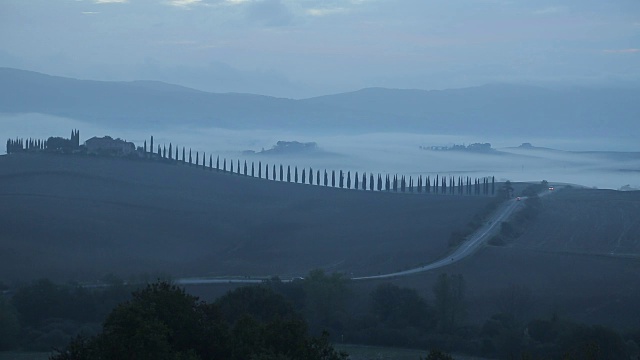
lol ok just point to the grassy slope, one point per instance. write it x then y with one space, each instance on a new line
565 259
68 217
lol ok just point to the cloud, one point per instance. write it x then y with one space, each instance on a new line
184 3
550 10
90 12
270 13
326 11
111 1
621 51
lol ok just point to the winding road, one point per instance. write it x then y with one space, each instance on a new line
467 248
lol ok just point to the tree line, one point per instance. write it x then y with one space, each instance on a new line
333 178
450 185
288 320
51 144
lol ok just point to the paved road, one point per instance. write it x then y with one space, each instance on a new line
467 248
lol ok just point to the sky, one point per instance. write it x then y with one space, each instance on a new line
307 48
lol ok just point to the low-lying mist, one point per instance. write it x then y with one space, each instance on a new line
601 163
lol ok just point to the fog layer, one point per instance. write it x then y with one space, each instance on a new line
590 162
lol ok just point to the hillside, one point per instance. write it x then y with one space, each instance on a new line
75 217
497 110
579 259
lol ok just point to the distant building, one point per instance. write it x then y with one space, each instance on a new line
108 145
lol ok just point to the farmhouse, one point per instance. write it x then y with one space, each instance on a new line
108 145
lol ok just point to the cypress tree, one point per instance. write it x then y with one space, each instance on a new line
210 162
364 181
259 169
419 186
304 178
274 172
402 184
266 171
145 146
190 157
379 187
224 165
170 152
231 163
151 146
159 151
197 160
183 157
317 177
310 176
245 168
281 172
387 183
395 182
238 168
253 170
371 184
218 163
326 178
355 180
333 178
493 185
288 173
348 179
164 152
341 180
295 175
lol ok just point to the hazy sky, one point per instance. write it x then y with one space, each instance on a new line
311 47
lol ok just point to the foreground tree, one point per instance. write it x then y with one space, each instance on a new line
163 322
449 301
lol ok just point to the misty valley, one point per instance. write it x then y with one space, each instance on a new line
489 222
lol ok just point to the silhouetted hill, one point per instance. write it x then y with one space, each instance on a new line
80 217
498 109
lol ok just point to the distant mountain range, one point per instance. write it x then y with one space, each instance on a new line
498 109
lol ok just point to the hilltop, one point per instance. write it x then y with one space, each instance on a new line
108 215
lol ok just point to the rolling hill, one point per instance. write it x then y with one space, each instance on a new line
80 217
498 109
579 259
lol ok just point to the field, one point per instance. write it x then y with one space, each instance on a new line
79 218
359 352
14 355
579 259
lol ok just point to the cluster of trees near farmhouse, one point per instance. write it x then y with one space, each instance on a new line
52 144
342 179
334 178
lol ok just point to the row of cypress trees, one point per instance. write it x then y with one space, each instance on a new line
438 185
